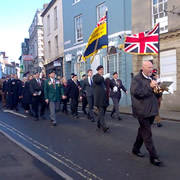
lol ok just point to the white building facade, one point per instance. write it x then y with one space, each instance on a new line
53 37
36 44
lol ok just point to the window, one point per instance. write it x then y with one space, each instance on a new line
80 68
49 49
56 44
76 1
55 18
48 24
101 9
159 14
168 68
78 28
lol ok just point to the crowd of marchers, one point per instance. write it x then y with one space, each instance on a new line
36 94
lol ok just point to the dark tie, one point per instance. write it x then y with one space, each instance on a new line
91 81
39 82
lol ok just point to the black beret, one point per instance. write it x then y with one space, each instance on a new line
114 73
35 72
74 75
51 71
99 67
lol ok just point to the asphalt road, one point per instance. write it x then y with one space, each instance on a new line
80 150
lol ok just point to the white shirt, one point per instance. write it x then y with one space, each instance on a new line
146 76
90 80
52 80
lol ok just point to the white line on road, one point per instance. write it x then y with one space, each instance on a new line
12 112
39 146
54 168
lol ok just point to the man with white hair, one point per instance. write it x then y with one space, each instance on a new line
145 108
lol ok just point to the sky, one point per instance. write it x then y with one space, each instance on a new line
16 17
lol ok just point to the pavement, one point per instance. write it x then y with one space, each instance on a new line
15 163
165 114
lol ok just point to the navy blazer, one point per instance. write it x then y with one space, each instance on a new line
119 85
73 89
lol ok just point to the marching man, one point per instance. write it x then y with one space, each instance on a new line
53 92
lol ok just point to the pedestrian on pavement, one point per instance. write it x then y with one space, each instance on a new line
73 93
83 95
159 97
115 94
53 92
145 108
88 92
66 100
37 92
100 96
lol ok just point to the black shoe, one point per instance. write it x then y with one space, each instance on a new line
76 116
105 129
99 125
112 113
43 117
54 123
119 118
159 125
17 109
31 114
36 119
139 154
84 111
92 120
156 162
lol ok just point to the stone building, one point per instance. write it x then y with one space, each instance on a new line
166 12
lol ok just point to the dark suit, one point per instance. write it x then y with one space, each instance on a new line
145 108
5 90
13 92
73 93
116 96
84 100
88 90
35 87
100 98
27 96
64 101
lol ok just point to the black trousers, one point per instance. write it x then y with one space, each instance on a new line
145 136
116 106
101 112
84 103
90 100
12 100
36 101
64 108
74 105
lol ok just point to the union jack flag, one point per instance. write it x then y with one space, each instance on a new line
143 43
101 21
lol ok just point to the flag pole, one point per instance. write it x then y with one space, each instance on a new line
92 59
107 43
159 51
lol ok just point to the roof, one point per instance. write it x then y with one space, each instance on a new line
48 7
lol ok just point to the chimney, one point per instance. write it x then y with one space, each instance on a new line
45 5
